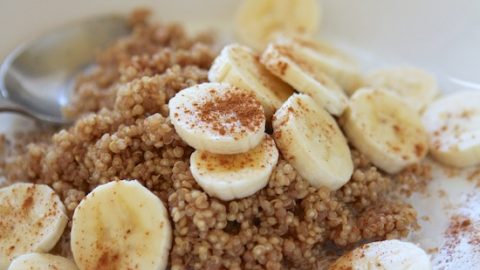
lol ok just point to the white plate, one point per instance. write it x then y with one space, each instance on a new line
440 35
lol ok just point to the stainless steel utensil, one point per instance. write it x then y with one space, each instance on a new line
36 79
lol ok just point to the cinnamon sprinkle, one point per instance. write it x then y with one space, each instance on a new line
236 107
463 230
474 176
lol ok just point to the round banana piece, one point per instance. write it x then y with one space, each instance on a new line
416 86
310 139
384 255
240 66
338 65
229 177
291 63
218 118
383 127
41 261
453 126
257 21
32 219
121 225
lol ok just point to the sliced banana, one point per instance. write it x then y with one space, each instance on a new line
121 225
416 86
292 64
310 139
383 127
384 255
338 65
453 126
32 219
257 21
237 176
240 66
41 261
218 118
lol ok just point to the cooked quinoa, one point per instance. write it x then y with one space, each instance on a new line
123 132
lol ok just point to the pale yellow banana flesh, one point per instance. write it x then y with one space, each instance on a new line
257 21
453 126
218 118
294 65
32 219
416 86
41 261
384 128
240 66
310 139
121 225
384 255
338 65
235 176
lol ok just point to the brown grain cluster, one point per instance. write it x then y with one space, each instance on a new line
125 133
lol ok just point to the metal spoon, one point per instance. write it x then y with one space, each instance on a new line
36 79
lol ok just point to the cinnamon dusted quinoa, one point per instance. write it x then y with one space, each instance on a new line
149 50
414 178
126 134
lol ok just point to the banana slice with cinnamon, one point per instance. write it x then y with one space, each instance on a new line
41 261
384 255
236 176
384 128
32 219
218 118
121 225
310 139
240 66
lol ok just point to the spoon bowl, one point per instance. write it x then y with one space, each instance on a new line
37 78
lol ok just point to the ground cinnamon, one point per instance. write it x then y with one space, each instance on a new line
233 111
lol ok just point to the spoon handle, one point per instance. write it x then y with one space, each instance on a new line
9 106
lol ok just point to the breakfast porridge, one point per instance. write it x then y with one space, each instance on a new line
184 156
125 133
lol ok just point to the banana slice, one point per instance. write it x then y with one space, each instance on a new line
416 86
294 65
310 139
384 255
237 176
32 219
338 65
218 118
240 66
383 127
453 126
41 261
257 21
121 225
